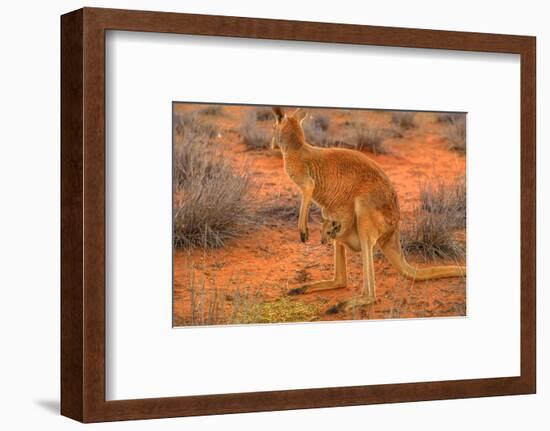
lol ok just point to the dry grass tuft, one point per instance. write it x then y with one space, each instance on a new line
253 136
449 117
455 134
429 235
448 199
320 121
316 131
362 136
212 110
264 114
211 200
404 120
432 231
188 126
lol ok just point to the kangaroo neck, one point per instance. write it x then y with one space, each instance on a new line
296 148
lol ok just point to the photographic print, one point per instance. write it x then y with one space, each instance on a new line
305 214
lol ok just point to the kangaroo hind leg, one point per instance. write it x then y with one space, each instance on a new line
368 233
340 274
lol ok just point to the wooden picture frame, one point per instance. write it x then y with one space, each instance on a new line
83 214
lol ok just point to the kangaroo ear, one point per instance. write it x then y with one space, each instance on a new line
279 113
300 114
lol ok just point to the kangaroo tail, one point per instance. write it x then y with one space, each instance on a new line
394 253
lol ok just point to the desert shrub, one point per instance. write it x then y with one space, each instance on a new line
254 137
188 127
212 110
264 114
316 131
211 202
321 122
430 235
404 120
193 147
431 232
361 136
213 208
449 117
393 132
455 133
286 209
448 199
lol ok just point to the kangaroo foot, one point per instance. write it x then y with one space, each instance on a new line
315 287
336 308
349 304
359 301
304 235
297 291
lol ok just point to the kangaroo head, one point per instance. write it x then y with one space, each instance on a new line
287 130
329 230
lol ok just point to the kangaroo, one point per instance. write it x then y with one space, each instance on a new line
353 191
329 230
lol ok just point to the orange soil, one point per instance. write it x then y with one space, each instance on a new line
271 259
